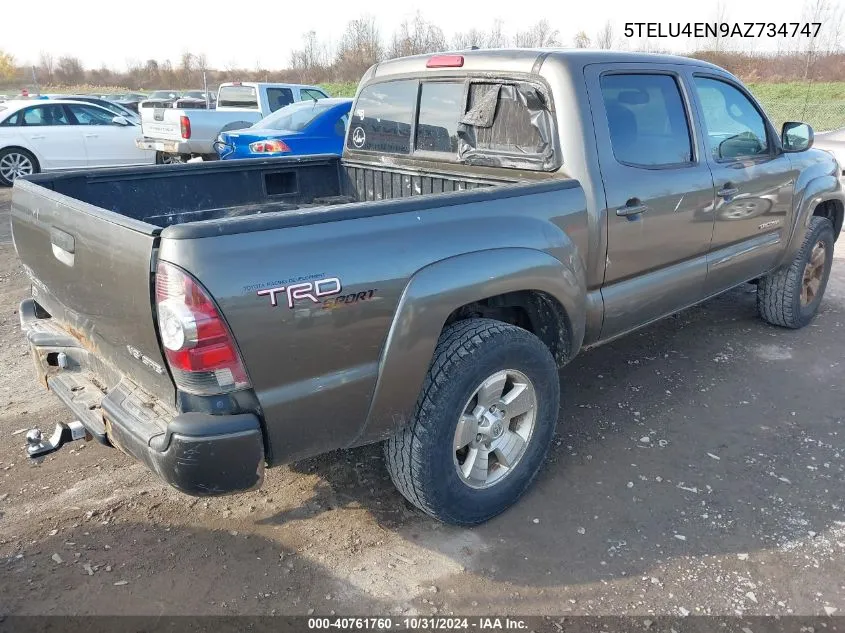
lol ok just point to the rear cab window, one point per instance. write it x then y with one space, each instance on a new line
237 97
466 120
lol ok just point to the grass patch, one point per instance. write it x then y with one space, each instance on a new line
341 89
821 104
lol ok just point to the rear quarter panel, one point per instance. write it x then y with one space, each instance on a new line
314 368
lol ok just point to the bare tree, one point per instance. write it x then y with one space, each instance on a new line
187 65
151 74
69 70
468 39
496 38
309 62
582 40
360 47
46 65
538 36
716 43
605 37
416 37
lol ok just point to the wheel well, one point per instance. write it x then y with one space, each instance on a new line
833 211
533 310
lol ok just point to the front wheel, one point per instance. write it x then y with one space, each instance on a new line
14 163
482 426
790 297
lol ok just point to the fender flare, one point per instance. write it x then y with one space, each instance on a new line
437 290
808 196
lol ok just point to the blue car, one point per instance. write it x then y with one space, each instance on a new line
305 127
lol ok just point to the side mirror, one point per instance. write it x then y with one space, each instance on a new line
119 120
796 136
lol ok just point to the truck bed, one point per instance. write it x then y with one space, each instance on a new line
178 194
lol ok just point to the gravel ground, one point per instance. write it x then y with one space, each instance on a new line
698 468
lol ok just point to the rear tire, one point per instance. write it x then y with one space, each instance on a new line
477 362
16 162
791 296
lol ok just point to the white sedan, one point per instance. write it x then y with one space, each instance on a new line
833 142
38 136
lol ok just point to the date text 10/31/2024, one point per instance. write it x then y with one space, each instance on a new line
420 623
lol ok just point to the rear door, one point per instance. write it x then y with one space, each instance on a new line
107 143
659 192
59 144
754 182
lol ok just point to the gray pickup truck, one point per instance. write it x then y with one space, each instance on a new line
493 214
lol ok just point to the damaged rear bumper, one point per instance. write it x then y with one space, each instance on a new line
198 453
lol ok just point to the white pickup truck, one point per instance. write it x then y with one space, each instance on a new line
177 135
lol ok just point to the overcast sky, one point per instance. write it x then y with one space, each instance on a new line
245 33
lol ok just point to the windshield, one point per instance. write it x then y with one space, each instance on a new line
293 118
162 94
237 97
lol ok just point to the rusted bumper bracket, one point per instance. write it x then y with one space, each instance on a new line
198 453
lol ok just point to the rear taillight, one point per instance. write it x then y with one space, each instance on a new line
268 147
185 126
197 342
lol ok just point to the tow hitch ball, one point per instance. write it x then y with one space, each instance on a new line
37 445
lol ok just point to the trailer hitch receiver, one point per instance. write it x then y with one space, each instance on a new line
38 446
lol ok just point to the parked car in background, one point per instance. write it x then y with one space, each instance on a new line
46 135
159 99
834 143
129 101
180 134
111 106
307 127
198 95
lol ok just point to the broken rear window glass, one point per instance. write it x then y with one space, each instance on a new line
507 125
382 118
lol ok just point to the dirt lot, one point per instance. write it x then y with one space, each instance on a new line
698 468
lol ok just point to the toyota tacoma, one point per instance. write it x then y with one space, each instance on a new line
493 214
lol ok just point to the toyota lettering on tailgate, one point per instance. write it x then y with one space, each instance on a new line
312 290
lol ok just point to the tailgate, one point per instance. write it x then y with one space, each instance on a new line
162 123
91 270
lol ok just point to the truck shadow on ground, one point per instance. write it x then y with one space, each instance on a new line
708 433
91 569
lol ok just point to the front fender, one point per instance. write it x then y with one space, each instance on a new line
815 185
437 290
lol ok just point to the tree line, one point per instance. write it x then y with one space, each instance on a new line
362 45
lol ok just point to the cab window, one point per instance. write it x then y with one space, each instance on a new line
735 128
383 116
279 98
647 120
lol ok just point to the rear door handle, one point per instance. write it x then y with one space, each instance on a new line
727 191
37 138
633 207
91 135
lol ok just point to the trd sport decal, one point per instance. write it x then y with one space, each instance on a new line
307 290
